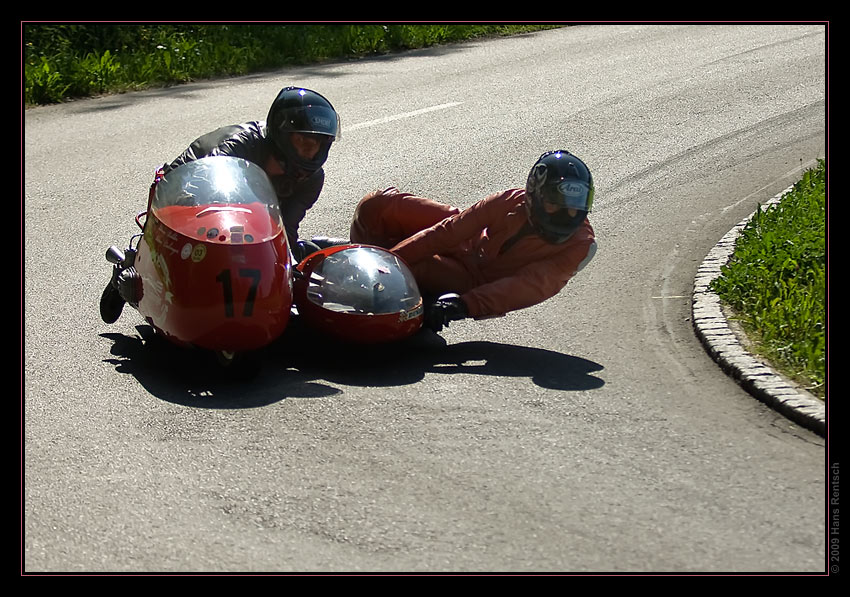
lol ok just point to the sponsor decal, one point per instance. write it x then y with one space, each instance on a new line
411 314
320 121
573 190
199 252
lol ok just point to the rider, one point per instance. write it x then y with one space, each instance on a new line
509 251
291 145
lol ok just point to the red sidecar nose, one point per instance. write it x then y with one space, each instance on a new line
358 293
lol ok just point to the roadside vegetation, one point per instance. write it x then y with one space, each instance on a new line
775 282
63 61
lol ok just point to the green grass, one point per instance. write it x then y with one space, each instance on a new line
776 281
68 61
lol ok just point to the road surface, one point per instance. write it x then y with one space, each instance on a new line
591 433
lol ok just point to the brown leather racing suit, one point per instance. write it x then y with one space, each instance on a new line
487 253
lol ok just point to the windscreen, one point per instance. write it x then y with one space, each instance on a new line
220 180
219 197
363 280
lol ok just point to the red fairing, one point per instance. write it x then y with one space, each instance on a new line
359 294
213 269
207 285
214 261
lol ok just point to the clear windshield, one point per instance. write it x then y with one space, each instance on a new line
363 280
219 199
218 180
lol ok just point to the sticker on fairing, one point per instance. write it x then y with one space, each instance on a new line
198 253
412 314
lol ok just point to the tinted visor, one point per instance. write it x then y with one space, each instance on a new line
573 193
311 119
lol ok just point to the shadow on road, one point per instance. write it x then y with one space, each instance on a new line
303 365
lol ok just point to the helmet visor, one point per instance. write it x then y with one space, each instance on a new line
312 119
572 193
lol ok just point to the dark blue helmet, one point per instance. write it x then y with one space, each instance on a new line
299 110
559 195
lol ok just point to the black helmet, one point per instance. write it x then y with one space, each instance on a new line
298 110
558 182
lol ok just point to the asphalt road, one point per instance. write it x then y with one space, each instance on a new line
589 434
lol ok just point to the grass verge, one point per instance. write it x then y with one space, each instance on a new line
63 61
775 282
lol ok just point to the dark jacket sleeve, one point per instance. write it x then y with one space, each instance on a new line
248 141
294 206
239 140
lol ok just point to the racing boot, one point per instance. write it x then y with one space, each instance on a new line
304 248
111 304
123 287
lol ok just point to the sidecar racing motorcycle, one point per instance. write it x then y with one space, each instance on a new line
212 269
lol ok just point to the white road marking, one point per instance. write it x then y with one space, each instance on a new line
400 116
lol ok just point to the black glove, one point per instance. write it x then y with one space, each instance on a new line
447 308
302 249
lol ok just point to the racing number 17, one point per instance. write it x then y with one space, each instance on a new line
227 286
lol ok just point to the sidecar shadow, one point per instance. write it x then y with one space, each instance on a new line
195 377
408 361
302 364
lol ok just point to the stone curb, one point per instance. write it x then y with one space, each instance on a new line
722 343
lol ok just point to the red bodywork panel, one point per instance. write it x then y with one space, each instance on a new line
401 320
215 276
